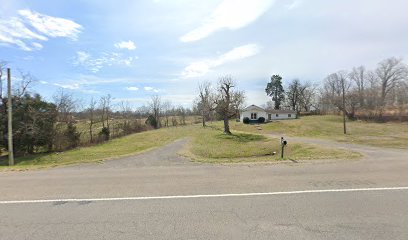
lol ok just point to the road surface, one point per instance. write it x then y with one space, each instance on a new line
160 195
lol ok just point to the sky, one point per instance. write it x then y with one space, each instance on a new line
133 49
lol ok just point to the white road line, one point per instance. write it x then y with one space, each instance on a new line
204 195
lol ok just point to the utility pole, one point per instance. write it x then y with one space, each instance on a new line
344 105
10 120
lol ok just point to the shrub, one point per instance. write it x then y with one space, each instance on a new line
72 135
151 120
246 120
105 133
261 120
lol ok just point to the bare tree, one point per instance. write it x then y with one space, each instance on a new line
155 106
205 101
166 112
228 100
390 72
26 79
91 111
336 86
105 106
108 109
66 105
359 76
308 96
294 94
402 98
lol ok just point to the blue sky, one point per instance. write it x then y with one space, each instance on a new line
134 49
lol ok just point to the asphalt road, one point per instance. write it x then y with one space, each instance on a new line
80 208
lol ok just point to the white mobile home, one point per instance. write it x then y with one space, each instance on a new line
254 112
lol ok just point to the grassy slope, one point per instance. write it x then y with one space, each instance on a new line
207 145
211 145
392 135
128 145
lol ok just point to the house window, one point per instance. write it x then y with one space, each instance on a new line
289 115
253 116
277 115
269 116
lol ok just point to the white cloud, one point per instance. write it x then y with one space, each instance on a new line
72 86
37 46
132 88
24 30
151 89
129 45
14 32
200 68
229 14
95 64
52 26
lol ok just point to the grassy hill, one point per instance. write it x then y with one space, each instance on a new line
391 135
206 145
247 144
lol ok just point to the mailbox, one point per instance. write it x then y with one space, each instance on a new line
283 144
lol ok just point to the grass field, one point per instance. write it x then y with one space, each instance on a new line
206 145
391 135
83 125
211 145
127 145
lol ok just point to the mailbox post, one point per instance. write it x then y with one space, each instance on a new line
283 144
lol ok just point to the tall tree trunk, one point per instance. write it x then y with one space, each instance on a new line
203 114
226 126
344 110
90 131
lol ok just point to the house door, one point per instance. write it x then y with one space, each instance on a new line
269 117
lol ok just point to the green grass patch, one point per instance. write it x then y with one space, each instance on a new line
209 144
115 148
241 137
391 135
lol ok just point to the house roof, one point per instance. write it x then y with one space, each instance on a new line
253 107
257 108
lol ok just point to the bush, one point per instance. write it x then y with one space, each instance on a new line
72 135
246 120
151 120
261 120
105 133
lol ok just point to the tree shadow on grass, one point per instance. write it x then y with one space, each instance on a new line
242 137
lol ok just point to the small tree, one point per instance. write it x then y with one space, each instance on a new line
151 121
336 86
72 135
91 112
105 133
205 101
156 108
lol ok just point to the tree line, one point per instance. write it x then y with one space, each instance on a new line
66 122
357 93
366 93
